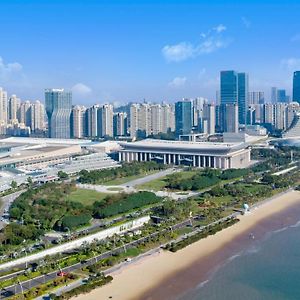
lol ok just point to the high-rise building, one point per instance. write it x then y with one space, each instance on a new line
268 113
183 117
280 116
274 94
92 121
134 115
144 120
198 110
256 98
13 108
37 117
58 108
234 90
229 87
78 122
209 118
167 118
156 118
243 86
229 117
120 124
25 113
282 96
3 107
105 120
296 86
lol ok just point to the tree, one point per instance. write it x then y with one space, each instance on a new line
62 175
14 184
29 181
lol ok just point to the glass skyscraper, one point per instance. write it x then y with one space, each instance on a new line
234 90
58 104
183 117
229 87
243 93
296 86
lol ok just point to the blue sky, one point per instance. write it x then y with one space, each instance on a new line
120 51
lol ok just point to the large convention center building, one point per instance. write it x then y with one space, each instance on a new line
196 154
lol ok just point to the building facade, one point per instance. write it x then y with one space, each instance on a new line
202 155
58 108
183 117
296 86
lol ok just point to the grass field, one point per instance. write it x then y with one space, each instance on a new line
123 180
160 183
86 197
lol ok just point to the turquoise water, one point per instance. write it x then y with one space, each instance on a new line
268 270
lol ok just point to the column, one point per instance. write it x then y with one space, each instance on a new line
174 159
165 158
213 162
194 161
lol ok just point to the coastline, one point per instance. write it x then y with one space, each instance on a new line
167 275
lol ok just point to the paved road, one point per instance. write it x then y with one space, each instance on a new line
16 289
131 225
6 203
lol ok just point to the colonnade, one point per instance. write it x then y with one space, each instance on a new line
201 161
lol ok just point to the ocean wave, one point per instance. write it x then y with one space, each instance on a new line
296 225
253 250
231 258
202 284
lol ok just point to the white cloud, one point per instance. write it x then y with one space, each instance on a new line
210 42
81 89
246 22
295 38
177 82
291 63
179 52
220 28
8 70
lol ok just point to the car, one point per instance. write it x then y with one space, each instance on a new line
62 273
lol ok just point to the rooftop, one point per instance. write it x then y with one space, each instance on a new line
182 144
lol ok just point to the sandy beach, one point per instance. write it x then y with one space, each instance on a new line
138 280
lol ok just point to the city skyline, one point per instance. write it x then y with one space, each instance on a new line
101 56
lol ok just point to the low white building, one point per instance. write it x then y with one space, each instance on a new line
196 154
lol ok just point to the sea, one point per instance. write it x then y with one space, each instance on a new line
268 269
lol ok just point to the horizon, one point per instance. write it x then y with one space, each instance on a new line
125 51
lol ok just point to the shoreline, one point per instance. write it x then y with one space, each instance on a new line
167 275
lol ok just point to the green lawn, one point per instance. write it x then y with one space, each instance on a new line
86 197
221 200
155 185
123 180
160 183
